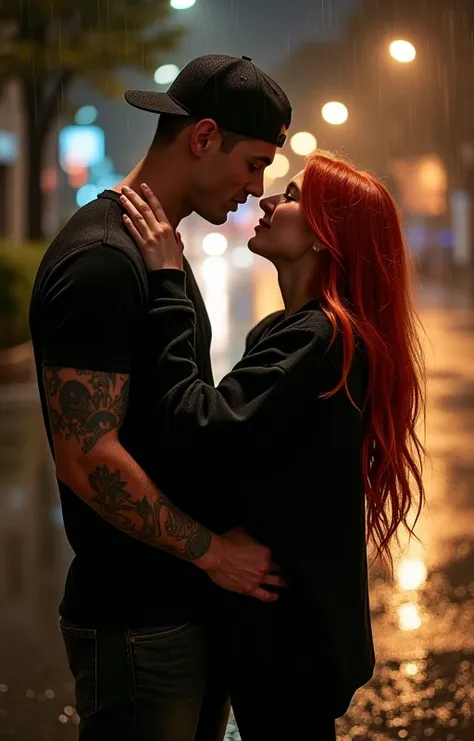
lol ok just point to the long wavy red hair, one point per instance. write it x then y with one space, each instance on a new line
363 280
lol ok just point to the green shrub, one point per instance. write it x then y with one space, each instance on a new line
18 266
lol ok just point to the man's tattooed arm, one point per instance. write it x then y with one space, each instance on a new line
85 405
86 409
146 520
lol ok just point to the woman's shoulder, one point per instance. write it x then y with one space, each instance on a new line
310 319
260 330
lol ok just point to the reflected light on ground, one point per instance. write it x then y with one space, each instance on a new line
409 616
411 573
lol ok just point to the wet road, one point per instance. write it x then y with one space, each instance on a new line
423 621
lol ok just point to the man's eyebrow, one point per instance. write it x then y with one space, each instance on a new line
263 158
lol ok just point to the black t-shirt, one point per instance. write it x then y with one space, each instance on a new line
88 311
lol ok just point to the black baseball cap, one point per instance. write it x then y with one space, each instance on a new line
232 91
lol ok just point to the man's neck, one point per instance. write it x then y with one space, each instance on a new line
165 180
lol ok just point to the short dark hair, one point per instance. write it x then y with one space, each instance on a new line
170 127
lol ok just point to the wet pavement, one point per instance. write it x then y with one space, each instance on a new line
423 620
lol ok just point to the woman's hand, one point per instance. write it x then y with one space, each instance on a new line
161 247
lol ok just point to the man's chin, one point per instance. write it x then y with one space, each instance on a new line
216 219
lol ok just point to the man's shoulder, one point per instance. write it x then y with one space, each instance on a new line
94 234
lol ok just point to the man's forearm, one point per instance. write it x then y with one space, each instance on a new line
110 481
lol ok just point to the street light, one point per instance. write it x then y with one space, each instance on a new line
165 74
335 113
182 4
402 51
303 143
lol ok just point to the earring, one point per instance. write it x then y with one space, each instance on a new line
316 247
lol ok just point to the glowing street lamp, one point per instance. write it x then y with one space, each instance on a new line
182 4
165 74
303 143
402 51
335 113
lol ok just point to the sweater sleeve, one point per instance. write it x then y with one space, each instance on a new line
252 405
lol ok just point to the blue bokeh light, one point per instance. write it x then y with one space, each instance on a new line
86 115
86 194
81 145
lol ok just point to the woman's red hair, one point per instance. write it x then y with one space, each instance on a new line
363 282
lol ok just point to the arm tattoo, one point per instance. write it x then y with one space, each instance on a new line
144 521
85 409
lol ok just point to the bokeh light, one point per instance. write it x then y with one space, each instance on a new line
165 74
81 145
86 115
78 175
412 573
8 147
214 244
49 179
182 4
86 194
335 113
303 143
242 257
402 51
278 168
409 616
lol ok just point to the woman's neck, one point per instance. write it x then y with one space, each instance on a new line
293 281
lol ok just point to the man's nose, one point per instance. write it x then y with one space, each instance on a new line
256 187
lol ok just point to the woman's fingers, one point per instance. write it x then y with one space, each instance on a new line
154 203
263 595
275 580
142 210
134 233
137 218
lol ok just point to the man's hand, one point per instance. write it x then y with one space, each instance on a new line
238 563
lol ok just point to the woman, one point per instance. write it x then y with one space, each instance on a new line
320 415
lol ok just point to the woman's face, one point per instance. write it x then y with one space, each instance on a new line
283 235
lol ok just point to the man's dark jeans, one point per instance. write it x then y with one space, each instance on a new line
150 684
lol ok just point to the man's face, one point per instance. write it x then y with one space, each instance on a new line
224 180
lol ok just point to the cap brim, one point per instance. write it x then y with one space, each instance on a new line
148 100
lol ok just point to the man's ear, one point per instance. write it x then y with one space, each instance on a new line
204 136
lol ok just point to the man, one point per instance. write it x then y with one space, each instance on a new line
138 592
